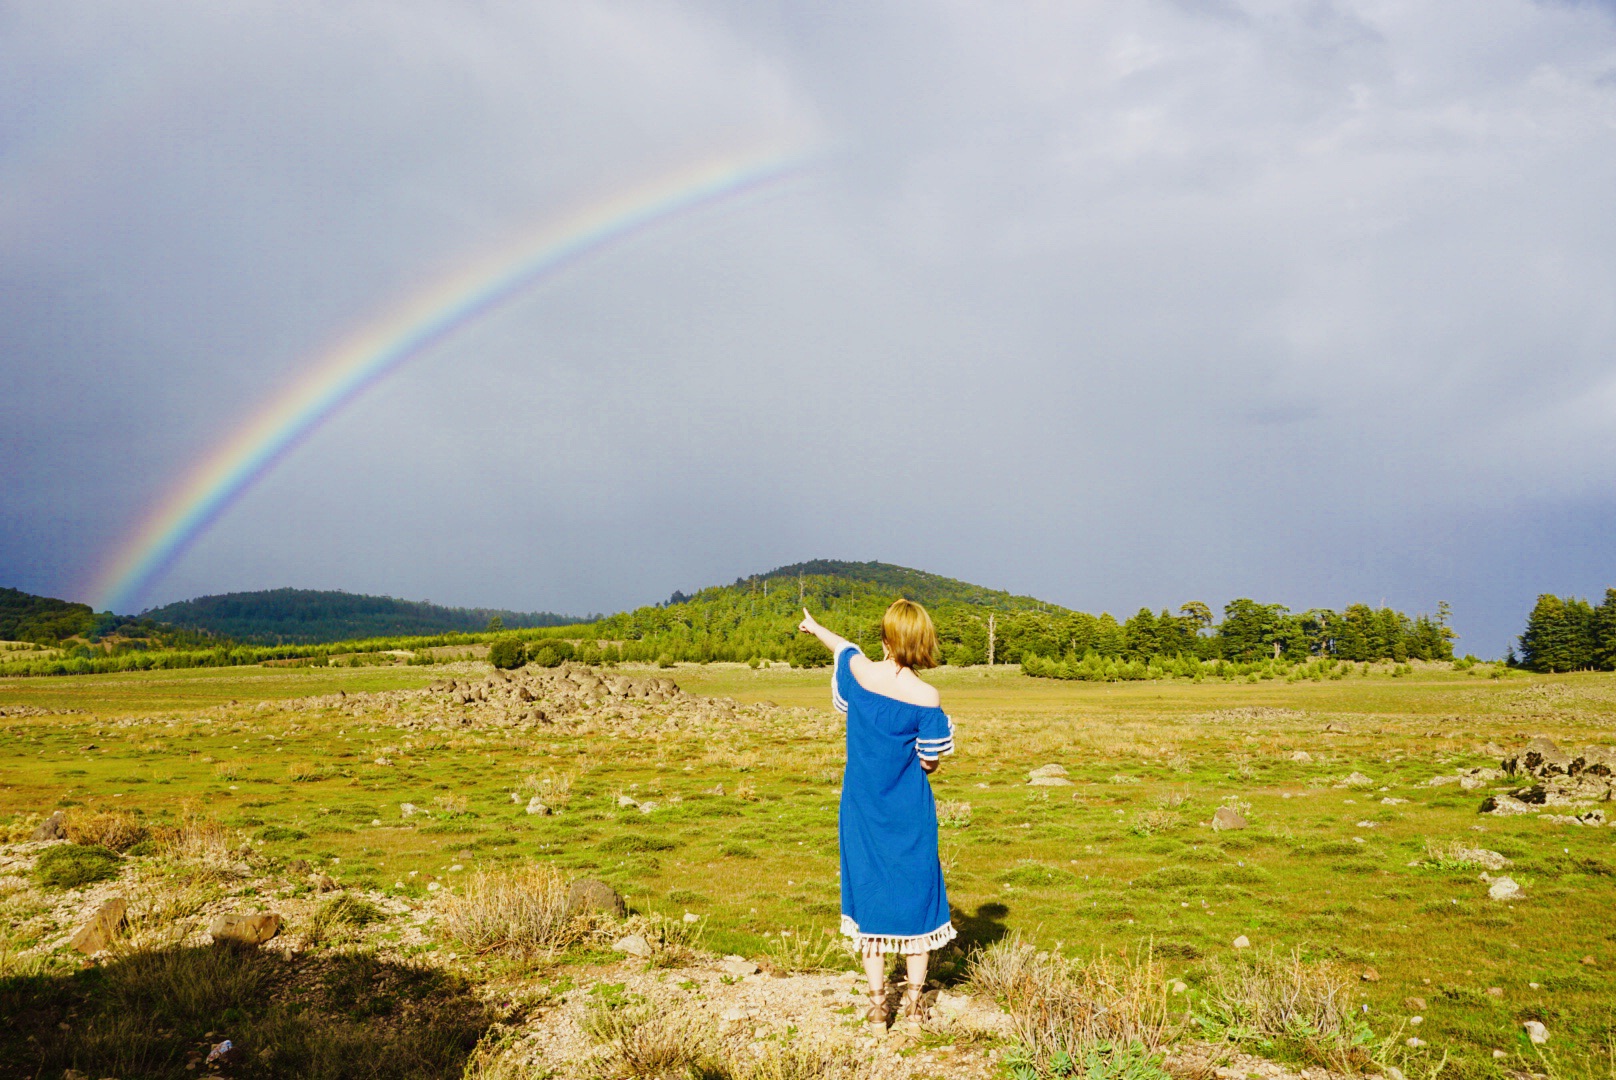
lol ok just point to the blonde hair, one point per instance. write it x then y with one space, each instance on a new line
908 634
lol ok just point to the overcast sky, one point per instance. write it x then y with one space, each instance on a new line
1115 304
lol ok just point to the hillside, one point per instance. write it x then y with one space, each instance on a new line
756 617
310 616
41 619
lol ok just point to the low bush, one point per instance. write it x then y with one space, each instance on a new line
67 866
508 653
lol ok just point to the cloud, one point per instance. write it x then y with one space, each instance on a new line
1119 304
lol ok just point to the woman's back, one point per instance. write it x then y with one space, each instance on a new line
889 680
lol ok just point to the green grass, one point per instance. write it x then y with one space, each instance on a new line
1102 865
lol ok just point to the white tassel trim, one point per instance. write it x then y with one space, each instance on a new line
887 943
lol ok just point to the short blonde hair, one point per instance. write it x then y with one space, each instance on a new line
908 634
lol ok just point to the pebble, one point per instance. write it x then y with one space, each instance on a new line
1242 942
633 945
1536 1032
1504 889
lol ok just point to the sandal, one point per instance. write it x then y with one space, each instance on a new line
913 1006
876 1014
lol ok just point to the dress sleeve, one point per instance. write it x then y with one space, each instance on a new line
842 670
936 735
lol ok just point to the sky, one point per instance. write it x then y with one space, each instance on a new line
1114 304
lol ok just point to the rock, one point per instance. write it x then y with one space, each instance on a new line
1497 1054
52 828
1536 1031
534 806
1356 780
1242 942
244 929
733 1015
633 945
1302 756
1050 781
947 1005
737 967
1369 975
1389 801
323 882
1495 991
1227 818
1504 889
408 809
1180 986
1590 961
1414 1004
1413 1043
1392 1072
97 934
591 894
626 801
1047 770
691 917
1415 1021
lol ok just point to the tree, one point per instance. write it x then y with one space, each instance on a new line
1250 630
507 652
1560 635
1604 651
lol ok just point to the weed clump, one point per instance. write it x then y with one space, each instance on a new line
67 866
114 830
522 912
1063 1010
1269 997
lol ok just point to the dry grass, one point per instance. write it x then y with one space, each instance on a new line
1269 996
1151 822
673 942
553 789
519 912
954 814
229 770
305 771
1061 1008
114 830
665 1039
809 950
198 839
21 827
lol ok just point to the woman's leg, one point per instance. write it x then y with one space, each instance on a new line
917 968
875 967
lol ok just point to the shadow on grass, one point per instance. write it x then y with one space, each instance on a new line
327 1017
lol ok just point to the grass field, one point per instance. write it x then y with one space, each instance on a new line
744 828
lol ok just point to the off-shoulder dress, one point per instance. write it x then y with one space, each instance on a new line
893 899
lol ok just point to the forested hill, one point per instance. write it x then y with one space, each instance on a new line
310 616
757 617
44 620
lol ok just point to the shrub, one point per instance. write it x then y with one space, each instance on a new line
629 843
1029 873
68 866
522 912
277 833
508 653
954 814
115 830
813 950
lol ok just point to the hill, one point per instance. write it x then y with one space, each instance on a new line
310 616
44 620
756 617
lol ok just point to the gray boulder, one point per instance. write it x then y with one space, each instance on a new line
52 828
244 929
591 894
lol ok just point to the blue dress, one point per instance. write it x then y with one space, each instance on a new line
892 882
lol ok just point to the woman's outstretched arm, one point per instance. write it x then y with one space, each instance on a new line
834 642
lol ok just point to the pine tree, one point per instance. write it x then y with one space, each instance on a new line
1604 633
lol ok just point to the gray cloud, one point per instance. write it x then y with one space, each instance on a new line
1119 304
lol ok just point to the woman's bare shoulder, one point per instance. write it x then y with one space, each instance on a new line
926 694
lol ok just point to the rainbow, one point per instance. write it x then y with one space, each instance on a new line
345 371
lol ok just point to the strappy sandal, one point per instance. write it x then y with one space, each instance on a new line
876 1014
912 1008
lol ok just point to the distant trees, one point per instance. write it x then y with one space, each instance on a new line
1570 634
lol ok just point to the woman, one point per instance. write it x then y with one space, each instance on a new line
893 898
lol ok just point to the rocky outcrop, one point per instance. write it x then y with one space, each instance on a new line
52 828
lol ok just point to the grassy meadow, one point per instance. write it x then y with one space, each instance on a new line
743 830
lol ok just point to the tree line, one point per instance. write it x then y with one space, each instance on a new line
1569 634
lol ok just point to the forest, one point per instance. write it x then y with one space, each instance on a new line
1569 634
757 617
310 616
